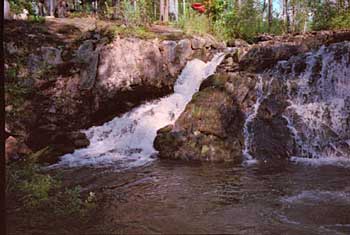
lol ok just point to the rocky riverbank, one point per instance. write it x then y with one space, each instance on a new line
247 107
70 82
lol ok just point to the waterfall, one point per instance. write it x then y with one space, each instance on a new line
248 132
319 112
127 141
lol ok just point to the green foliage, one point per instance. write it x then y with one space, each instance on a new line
243 23
194 23
37 191
323 14
341 21
17 6
134 15
36 19
132 31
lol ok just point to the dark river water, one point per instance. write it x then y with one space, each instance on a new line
192 198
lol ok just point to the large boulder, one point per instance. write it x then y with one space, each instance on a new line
266 54
210 129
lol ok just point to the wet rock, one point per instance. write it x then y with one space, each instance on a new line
101 81
168 50
84 51
272 140
183 51
165 129
51 55
237 43
34 63
88 72
263 38
15 149
197 43
210 41
266 54
205 131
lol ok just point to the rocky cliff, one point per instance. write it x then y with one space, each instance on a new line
90 81
279 98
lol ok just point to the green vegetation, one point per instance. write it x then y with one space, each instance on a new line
113 31
193 23
17 6
226 19
31 190
341 21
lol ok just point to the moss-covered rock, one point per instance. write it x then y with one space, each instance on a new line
210 128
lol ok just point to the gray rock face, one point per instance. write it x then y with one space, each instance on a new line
128 62
300 107
198 43
111 79
266 54
210 128
183 51
51 55
88 72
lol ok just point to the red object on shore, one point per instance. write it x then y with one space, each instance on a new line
199 7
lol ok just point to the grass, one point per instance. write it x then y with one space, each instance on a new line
31 192
194 24
114 30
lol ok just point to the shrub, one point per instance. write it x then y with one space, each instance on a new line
341 21
36 192
193 23
17 6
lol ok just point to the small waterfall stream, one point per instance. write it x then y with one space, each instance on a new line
127 141
248 131
319 112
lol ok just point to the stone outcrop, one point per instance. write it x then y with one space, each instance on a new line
213 125
266 54
209 129
98 82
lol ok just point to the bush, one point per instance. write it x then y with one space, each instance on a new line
193 23
42 194
341 21
17 6
323 16
135 16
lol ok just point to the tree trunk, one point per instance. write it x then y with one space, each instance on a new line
161 10
286 15
184 7
270 16
293 19
51 8
164 10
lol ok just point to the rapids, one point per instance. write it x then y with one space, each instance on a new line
127 141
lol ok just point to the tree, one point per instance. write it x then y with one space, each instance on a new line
270 16
286 16
164 10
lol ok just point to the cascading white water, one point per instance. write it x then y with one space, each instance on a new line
247 130
127 141
249 119
319 111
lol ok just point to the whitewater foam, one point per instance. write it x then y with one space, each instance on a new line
127 141
318 115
